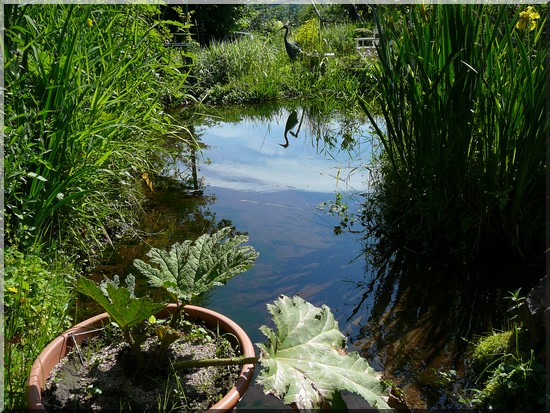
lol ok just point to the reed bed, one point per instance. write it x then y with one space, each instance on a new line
84 115
463 91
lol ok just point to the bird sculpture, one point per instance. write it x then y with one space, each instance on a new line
292 48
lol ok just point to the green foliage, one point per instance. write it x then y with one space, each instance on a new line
193 268
512 379
124 308
308 36
490 348
463 101
339 39
85 112
215 21
507 374
185 271
37 301
305 361
258 69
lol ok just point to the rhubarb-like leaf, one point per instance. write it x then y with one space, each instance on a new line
189 269
304 361
123 306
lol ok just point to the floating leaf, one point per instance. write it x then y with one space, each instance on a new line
305 360
189 269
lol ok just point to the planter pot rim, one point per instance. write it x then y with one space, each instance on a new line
61 345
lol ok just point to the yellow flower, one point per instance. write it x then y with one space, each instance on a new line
12 290
528 17
89 22
423 11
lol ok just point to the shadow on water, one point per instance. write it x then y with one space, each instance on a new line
424 311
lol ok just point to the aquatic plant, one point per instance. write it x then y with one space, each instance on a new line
463 103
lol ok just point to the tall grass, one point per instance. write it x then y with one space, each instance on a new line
258 69
83 117
84 132
463 99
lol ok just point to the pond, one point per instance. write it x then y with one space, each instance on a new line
277 176
288 177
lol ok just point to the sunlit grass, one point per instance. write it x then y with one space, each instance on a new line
37 299
463 98
84 118
258 69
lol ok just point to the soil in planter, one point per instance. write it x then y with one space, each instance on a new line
105 378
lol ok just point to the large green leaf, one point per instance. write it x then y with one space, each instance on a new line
123 307
192 268
305 360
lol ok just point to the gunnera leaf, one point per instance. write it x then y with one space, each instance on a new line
123 306
304 361
189 269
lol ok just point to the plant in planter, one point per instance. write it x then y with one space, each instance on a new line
304 361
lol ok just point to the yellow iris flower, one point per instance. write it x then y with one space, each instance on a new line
529 18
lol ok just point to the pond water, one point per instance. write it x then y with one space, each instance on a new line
271 178
287 176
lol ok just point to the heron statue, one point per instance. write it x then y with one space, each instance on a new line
292 48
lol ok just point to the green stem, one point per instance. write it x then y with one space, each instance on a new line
230 361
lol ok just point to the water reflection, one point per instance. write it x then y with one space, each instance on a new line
272 192
246 154
423 310
407 312
291 122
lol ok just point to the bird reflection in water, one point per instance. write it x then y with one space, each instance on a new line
291 122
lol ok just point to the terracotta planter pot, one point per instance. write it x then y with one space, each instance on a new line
63 344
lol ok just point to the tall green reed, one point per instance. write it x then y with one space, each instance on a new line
463 100
84 116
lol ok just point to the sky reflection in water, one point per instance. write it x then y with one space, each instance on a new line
248 157
273 194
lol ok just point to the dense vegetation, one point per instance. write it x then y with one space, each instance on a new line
256 69
458 214
84 129
461 91
464 138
